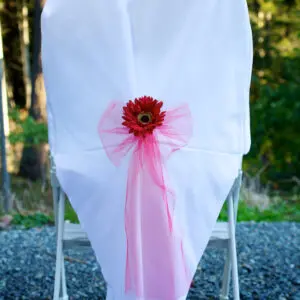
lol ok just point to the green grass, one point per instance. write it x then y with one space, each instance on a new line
277 213
283 211
33 207
70 214
32 220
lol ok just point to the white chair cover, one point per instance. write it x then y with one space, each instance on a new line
97 55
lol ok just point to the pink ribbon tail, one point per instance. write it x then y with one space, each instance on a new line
155 264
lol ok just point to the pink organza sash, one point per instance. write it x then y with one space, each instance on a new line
155 265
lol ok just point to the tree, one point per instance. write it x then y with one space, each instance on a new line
24 47
34 157
11 49
275 105
4 131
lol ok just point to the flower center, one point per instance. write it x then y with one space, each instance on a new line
145 118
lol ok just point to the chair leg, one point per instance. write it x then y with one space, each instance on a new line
59 284
64 295
226 278
232 249
234 196
55 190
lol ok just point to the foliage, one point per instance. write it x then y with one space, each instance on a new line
27 130
275 90
275 112
283 211
32 220
277 212
70 214
34 207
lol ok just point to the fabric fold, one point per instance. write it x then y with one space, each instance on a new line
193 52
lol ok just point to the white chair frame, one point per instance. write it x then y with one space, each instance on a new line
71 235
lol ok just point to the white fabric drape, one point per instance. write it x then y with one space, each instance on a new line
177 51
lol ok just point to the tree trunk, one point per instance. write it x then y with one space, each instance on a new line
11 49
34 157
24 47
4 131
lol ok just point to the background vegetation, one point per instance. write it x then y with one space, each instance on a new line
272 167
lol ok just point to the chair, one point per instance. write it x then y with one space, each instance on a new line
70 235
189 59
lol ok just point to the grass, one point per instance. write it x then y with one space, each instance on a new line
33 206
283 211
277 213
31 220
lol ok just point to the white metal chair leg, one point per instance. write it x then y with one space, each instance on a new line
60 287
236 194
55 192
60 292
228 267
232 249
226 278
63 287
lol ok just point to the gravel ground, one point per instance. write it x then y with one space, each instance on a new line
268 253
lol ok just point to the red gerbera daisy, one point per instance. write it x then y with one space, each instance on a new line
143 115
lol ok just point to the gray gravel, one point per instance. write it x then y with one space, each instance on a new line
268 253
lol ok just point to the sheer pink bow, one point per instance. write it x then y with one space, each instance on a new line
155 265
